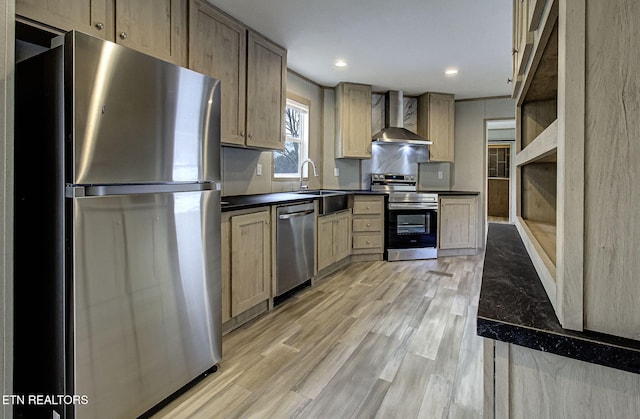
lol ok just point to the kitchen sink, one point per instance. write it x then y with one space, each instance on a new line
329 201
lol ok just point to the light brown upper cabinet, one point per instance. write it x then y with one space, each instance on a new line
436 121
218 47
353 121
155 27
252 71
93 17
266 93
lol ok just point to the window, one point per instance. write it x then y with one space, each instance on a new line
499 158
286 164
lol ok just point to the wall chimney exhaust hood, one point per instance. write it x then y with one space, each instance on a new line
394 132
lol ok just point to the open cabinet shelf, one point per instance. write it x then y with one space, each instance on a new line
537 159
538 206
543 149
545 234
540 240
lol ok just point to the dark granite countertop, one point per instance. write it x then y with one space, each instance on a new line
452 193
239 202
514 308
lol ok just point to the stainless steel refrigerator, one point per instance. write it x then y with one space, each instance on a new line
117 225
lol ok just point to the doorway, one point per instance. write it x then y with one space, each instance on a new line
500 142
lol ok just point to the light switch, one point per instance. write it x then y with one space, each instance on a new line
439 174
259 170
336 172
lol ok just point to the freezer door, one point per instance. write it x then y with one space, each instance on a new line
147 297
137 119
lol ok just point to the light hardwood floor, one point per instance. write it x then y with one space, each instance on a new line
374 340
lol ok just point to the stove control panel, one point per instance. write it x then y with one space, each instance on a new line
387 178
389 182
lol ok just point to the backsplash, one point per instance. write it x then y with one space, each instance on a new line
392 158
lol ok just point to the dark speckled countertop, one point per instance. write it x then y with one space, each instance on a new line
450 193
514 308
238 202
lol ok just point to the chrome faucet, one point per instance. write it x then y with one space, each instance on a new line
315 173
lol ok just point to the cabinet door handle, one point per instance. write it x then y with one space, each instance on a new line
99 26
250 135
242 133
123 35
368 225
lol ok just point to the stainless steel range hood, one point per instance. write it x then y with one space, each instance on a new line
394 132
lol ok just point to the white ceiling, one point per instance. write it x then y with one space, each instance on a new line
390 44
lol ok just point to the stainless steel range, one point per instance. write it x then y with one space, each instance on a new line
412 217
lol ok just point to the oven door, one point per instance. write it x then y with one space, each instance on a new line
412 226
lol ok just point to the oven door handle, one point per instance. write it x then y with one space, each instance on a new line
412 206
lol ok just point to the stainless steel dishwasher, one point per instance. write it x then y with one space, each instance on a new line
295 239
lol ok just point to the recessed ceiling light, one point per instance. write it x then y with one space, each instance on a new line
451 71
340 63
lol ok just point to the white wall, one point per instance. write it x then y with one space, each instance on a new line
6 202
470 147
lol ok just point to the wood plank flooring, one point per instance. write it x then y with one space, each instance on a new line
373 340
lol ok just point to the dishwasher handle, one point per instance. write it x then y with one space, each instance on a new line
295 214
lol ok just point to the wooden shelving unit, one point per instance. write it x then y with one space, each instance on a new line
537 168
542 149
537 159
577 203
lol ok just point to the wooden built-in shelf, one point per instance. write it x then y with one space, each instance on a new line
543 149
539 239
545 234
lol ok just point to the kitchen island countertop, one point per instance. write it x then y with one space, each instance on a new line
514 308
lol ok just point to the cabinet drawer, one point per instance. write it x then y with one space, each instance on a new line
367 241
368 207
367 224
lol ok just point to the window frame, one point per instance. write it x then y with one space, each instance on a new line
294 101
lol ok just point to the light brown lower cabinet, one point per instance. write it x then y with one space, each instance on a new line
246 261
368 226
334 238
458 222
523 383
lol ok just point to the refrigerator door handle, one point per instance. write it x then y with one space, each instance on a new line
80 191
